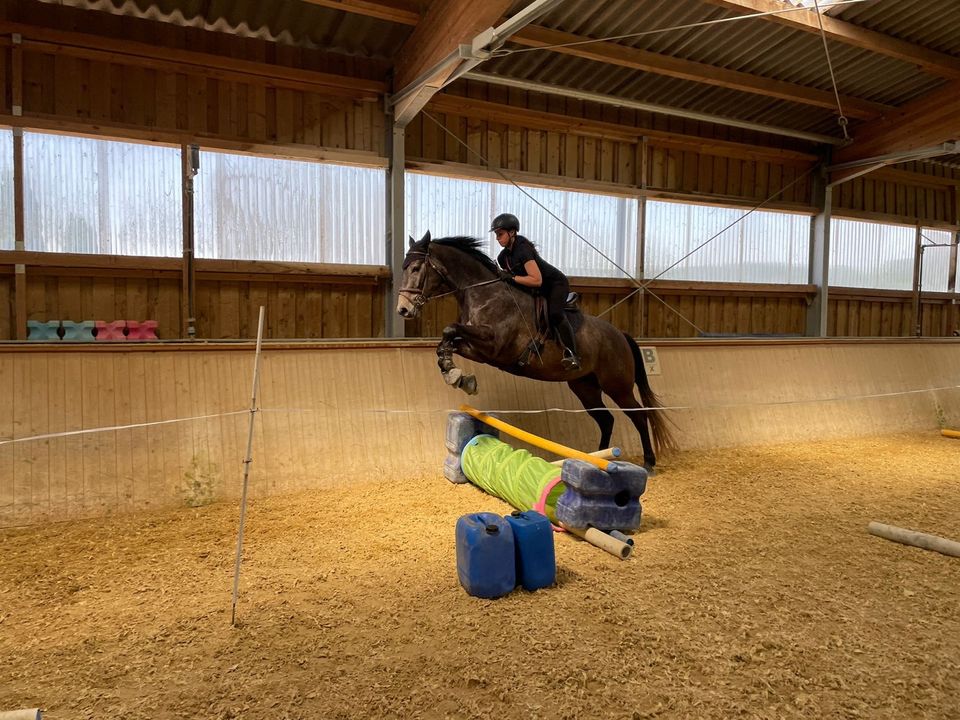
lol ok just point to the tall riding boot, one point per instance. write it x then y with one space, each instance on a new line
571 360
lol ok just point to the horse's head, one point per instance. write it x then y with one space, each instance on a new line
423 276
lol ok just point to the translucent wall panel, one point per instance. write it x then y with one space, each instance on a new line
871 255
447 206
762 247
101 196
6 189
936 259
253 208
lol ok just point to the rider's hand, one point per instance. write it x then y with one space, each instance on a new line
506 275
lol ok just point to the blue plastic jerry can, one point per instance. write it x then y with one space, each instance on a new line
485 555
533 538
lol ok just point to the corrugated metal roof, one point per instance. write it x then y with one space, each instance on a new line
291 22
754 46
934 24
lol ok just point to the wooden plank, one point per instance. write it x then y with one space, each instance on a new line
570 124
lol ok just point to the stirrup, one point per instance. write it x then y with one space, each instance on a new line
570 362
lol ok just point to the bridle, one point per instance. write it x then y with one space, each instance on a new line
416 295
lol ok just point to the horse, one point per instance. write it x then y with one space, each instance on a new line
496 327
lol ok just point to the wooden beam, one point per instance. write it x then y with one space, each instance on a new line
931 61
396 12
446 24
906 177
928 121
890 218
128 52
522 117
621 56
291 151
555 182
429 58
48 262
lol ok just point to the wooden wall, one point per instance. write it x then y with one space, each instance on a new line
722 309
605 148
302 301
925 193
856 312
318 402
135 78
116 76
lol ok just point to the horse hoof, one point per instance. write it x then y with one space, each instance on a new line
453 377
468 383
651 470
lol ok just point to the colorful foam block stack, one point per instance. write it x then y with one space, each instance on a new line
577 494
92 330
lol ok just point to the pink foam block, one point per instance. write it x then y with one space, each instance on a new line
111 331
145 330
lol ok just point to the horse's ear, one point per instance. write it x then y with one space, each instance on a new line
426 238
412 241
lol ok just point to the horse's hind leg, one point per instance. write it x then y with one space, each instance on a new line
638 416
587 390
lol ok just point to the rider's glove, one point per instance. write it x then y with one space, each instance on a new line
506 275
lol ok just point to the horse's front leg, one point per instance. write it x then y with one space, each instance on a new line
472 341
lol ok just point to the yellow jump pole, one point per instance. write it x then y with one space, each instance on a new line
950 433
535 440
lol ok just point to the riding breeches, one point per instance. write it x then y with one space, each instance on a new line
556 297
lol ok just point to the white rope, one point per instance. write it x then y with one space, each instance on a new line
842 120
712 406
89 431
561 221
687 26
339 411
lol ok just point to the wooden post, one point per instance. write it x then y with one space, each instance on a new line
396 230
189 165
950 311
917 270
819 269
20 270
643 170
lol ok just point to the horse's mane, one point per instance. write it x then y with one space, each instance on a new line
469 245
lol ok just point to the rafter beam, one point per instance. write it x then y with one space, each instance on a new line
931 61
398 12
928 121
621 56
422 65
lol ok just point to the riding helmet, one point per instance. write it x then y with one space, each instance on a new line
506 221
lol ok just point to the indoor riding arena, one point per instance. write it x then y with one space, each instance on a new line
261 265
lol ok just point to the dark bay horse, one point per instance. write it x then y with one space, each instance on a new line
496 325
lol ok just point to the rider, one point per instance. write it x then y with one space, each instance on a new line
523 265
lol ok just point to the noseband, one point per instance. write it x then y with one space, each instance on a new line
418 298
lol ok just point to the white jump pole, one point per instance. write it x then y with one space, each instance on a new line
246 467
33 714
916 539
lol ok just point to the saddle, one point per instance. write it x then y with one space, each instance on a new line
542 329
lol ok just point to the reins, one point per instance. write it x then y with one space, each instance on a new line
420 299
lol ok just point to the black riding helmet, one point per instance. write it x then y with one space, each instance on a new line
506 221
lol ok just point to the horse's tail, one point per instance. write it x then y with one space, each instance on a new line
659 423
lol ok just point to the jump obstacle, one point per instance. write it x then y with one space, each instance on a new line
588 495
